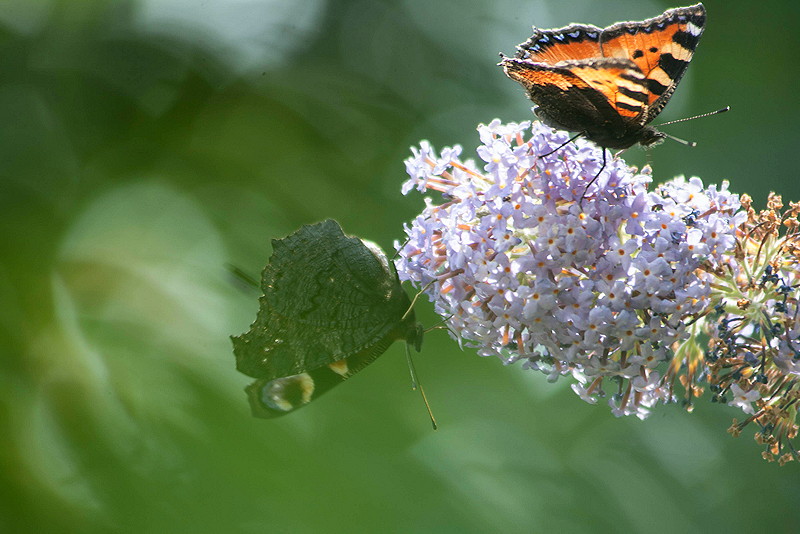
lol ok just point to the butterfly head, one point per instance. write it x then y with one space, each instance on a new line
415 335
646 136
649 136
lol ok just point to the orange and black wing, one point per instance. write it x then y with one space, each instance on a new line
661 47
574 42
571 59
584 95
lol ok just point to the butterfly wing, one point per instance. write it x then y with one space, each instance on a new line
574 42
598 97
327 296
274 397
576 88
660 47
619 81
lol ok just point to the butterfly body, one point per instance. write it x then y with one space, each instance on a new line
608 83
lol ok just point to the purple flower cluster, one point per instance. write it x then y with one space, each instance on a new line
530 257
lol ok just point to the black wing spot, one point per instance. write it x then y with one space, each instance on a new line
637 54
653 49
636 95
629 107
686 40
655 87
672 66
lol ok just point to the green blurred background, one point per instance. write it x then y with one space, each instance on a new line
148 143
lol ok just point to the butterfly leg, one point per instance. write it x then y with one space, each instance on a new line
603 166
562 145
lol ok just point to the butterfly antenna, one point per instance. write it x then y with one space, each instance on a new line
683 141
401 247
679 140
717 112
440 325
414 300
415 384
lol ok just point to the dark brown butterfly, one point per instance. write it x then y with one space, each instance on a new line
332 304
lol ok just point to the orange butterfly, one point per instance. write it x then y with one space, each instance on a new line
608 84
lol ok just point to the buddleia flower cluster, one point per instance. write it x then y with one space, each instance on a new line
544 252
